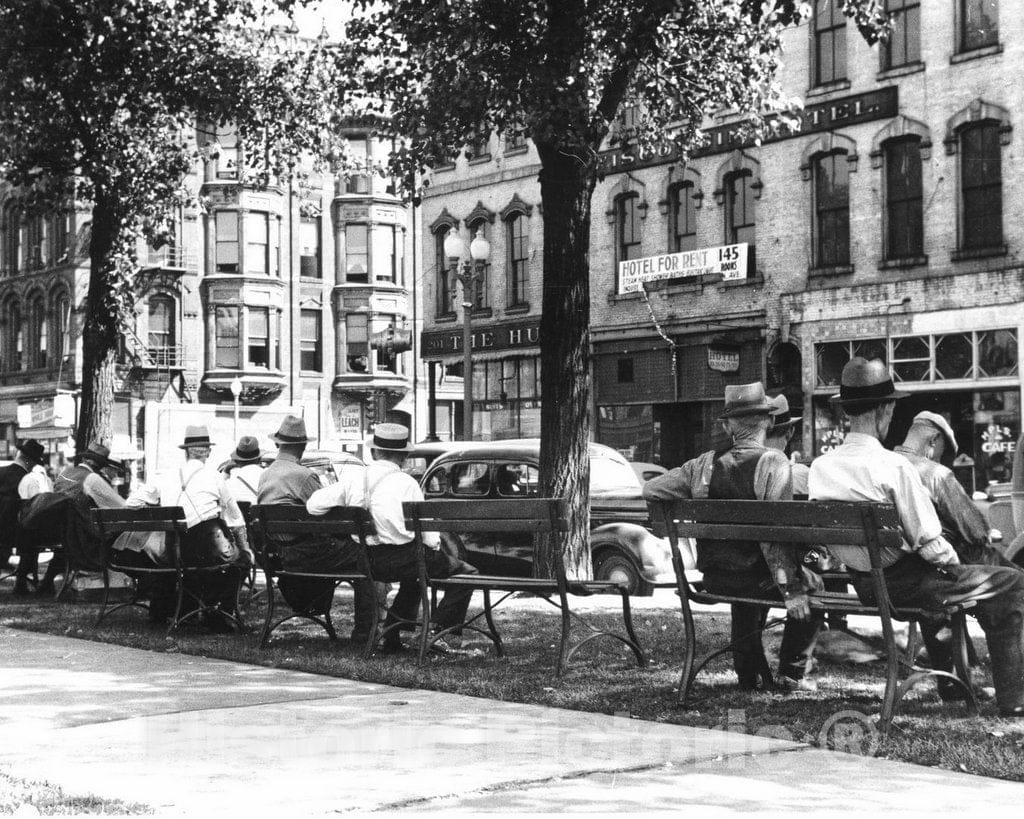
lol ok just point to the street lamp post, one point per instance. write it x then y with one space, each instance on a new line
236 393
467 271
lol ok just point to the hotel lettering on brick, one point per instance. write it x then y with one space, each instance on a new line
889 223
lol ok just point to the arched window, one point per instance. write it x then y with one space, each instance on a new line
831 177
443 276
627 227
518 241
13 336
36 357
683 210
981 186
11 239
482 271
161 339
904 219
59 320
740 206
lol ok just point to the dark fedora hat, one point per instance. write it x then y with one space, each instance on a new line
782 418
292 431
97 453
391 438
746 399
196 435
32 450
865 383
247 451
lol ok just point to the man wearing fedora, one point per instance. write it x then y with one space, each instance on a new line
245 470
382 489
779 434
748 470
18 483
287 482
926 572
215 533
963 524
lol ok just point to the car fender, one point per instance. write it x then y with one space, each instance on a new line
652 553
1015 549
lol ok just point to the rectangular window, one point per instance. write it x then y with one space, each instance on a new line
384 253
398 262
227 241
981 187
357 257
829 31
259 337
904 234
628 228
479 147
904 44
625 370
832 210
358 179
481 270
518 259
357 345
979 24
309 248
310 342
257 243
382 328
684 218
739 191
226 338
444 277
515 137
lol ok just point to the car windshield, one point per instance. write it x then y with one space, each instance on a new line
610 477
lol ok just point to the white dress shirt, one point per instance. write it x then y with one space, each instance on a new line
202 492
861 469
388 487
34 483
244 482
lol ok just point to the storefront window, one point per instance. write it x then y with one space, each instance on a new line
911 358
631 430
996 430
997 353
954 356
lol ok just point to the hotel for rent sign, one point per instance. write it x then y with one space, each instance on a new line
727 261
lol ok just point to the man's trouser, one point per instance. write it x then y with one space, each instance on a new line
999 594
798 636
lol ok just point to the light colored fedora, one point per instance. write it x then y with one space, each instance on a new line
941 424
864 383
292 431
196 435
746 399
391 438
782 418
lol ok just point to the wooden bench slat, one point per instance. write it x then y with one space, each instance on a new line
784 533
798 513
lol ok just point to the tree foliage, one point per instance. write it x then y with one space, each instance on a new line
99 101
447 71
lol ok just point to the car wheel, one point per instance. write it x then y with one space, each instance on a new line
616 566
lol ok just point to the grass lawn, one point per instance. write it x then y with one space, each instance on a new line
601 679
49 800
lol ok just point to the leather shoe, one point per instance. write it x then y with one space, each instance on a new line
1017 712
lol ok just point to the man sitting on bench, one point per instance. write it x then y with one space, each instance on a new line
750 471
926 573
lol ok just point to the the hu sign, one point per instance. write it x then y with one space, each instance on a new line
727 261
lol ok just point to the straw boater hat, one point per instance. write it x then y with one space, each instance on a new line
292 431
32 450
746 399
864 384
247 451
941 424
391 438
782 418
196 436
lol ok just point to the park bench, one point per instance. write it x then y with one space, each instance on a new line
528 516
171 521
343 522
807 523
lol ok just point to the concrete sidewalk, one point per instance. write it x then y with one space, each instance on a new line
195 736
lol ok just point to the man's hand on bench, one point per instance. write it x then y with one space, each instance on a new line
798 606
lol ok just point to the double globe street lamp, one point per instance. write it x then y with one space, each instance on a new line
468 271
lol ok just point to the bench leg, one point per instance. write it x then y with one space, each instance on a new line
563 646
689 653
106 598
962 650
492 630
269 618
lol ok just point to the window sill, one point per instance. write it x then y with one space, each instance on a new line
828 88
519 151
748 281
310 373
899 264
311 279
480 160
828 272
445 317
513 309
900 71
976 54
481 312
441 168
978 253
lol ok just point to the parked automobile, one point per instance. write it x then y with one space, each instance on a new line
621 545
645 471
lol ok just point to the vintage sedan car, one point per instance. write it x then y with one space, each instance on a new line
621 544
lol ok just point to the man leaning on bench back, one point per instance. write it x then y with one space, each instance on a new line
927 572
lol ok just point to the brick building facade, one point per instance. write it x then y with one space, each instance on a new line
886 224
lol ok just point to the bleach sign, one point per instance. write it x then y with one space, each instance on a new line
727 261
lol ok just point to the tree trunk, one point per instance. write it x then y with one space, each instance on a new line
100 334
567 183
